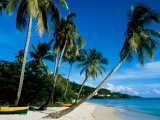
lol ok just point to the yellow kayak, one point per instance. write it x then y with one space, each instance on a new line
65 105
14 110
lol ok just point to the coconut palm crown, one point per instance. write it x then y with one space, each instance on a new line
66 32
19 56
139 39
40 53
92 65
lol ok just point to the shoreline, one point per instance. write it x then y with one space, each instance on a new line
86 111
105 112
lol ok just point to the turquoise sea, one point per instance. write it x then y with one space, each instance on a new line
134 108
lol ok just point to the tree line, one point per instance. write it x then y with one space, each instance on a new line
37 87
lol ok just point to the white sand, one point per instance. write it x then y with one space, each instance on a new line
85 111
105 113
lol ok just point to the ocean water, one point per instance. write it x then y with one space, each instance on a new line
133 109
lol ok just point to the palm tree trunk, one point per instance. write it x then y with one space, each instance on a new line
24 62
80 90
44 107
55 66
68 80
68 110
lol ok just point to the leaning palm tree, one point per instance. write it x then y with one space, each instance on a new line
139 40
92 66
66 37
27 10
42 52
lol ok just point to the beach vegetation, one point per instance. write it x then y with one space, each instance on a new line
26 11
37 86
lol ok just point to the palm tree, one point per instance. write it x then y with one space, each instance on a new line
139 40
71 58
3 4
66 37
92 66
19 56
42 52
28 9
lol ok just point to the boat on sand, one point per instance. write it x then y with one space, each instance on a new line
65 104
14 110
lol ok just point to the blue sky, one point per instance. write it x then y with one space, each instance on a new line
102 24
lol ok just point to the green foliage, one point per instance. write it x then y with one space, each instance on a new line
36 87
9 76
60 89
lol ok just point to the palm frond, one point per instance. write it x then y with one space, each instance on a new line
83 70
32 7
46 68
70 16
34 55
125 49
80 41
40 24
53 11
45 22
34 47
12 6
64 3
22 17
103 68
151 32
141 58
49 57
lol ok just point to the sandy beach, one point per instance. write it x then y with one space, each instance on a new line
86 111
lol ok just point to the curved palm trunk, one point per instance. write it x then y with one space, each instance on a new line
44 107
68 81
80 90
24 62
68 110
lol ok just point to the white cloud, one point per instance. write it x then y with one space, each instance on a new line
146 92
89 84
133 91
150 70
156 91
122 89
